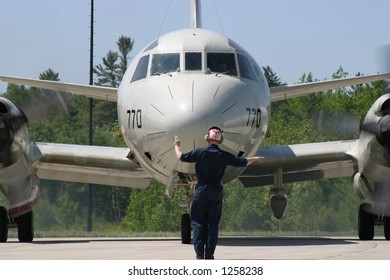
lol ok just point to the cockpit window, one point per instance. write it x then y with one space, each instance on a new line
193 61
223 63
142 69
246 70
165 63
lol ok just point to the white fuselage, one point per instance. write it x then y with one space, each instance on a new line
184 83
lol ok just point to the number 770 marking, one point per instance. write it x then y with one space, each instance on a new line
254 117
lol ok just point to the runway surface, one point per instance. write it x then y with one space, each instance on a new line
237 248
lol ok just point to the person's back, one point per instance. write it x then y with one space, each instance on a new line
211 163
206 208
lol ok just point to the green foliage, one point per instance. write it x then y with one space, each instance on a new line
272 79
245 209
110 73
150 210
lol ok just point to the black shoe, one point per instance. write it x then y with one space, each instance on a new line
209 257
199 257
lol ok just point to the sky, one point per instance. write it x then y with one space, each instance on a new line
293 37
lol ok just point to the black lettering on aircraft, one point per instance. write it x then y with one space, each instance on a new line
254 117
135 118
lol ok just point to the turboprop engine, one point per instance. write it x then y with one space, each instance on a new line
374 169
18 180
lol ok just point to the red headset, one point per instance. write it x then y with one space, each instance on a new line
214 134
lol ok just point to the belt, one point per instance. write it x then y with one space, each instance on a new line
211 182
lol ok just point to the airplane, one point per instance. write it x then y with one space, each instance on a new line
183 83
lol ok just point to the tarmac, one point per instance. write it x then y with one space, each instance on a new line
229 248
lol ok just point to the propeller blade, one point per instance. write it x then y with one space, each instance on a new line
383 58
9 125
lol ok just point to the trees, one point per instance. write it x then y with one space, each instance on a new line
111 72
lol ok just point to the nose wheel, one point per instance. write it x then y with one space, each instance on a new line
4 221
185 224
26 227
186 186
366 222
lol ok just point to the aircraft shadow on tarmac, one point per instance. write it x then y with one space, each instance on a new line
282 241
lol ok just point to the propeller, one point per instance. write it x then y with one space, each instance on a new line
10 123
380 129
383 58
375 173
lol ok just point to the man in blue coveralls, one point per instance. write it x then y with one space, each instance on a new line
210 164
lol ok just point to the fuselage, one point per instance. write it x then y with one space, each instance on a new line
182 84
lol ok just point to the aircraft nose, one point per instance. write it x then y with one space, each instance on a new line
185 108
192 110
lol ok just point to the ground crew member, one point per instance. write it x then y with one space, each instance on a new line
206 208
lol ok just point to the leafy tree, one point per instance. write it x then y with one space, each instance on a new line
272 79
150 210
110 73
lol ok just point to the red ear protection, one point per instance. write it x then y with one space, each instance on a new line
215 134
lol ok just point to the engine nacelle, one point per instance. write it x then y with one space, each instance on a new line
18 179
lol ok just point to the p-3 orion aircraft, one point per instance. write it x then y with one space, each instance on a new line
181 84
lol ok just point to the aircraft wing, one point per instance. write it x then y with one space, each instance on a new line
96 92
297 90
302 162
90 164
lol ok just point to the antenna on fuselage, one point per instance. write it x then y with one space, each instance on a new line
196 16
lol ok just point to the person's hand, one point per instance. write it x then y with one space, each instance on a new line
258 159
176 142
254 159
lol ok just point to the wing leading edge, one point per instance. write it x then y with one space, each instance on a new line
302 162
97 92
297 90
90 164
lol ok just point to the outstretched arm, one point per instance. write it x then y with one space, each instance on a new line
176 143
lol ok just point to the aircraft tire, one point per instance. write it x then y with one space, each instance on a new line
387 227
186 229
3 225
26 227
366 222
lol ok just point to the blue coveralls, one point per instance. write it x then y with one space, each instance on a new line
210 164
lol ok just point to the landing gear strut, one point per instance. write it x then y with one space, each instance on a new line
186 184
185 202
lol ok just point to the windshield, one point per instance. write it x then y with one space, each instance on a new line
165 63
193 61
223 63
